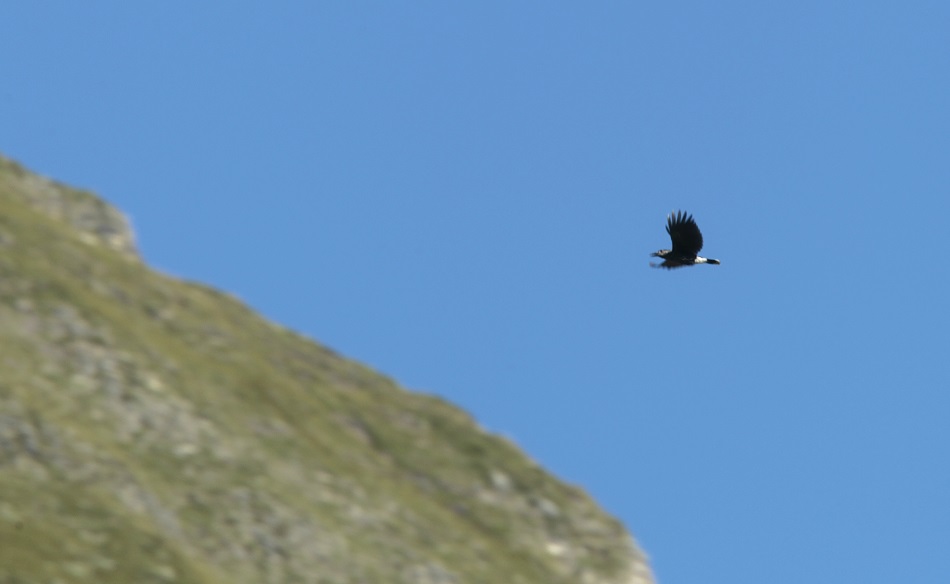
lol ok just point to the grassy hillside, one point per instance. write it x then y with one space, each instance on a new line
154 430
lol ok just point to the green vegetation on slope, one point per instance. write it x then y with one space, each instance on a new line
158 430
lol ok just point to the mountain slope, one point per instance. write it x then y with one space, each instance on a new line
154 430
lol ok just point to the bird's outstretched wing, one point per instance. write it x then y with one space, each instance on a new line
684 233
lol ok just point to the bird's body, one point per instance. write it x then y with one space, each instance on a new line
687 243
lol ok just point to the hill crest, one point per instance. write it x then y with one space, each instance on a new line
154 430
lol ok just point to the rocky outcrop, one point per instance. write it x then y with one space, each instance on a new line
92 218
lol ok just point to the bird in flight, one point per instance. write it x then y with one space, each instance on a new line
687 242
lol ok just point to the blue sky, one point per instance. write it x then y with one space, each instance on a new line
465 197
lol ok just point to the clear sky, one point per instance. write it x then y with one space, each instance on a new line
464 196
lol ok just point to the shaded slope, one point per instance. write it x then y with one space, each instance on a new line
157 430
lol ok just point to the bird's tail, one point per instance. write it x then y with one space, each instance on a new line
715 262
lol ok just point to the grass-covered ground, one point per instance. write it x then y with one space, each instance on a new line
159 430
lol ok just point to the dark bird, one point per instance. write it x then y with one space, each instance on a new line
687 242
